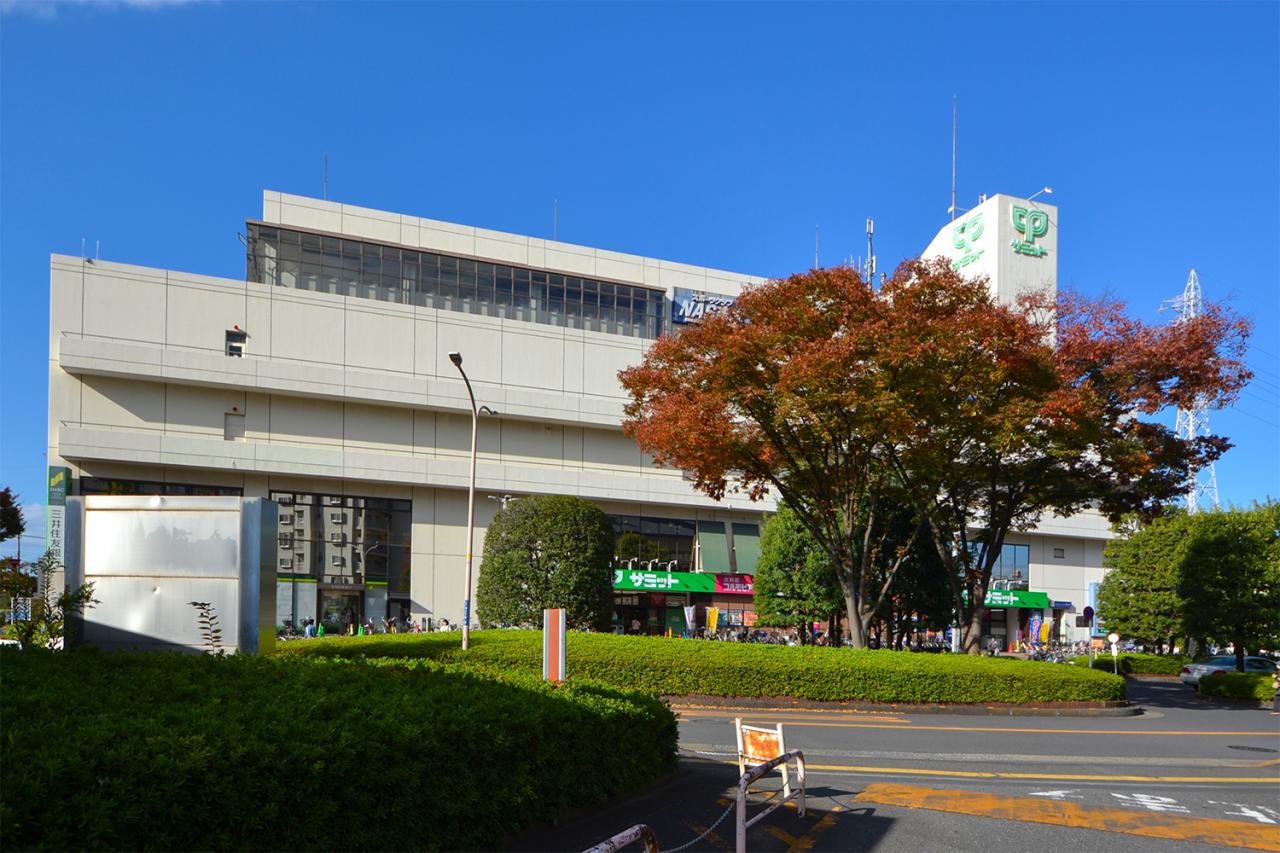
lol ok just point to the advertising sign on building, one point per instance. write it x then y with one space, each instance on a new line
735 584
738 584
56 512
690 306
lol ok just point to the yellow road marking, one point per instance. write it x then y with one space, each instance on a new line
1079 777
918 727
1148 824
719 842
794 845
1272 763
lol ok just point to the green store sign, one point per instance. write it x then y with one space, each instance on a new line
1015 598
1030 224
963 236
664 581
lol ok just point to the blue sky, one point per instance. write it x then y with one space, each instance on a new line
715 134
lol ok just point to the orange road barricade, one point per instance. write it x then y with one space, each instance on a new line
761 750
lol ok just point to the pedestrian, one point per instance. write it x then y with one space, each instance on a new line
1275 694
309 629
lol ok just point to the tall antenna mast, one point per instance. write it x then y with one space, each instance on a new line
953 158
1193 423
871 258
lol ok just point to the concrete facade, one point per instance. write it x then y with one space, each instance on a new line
338 394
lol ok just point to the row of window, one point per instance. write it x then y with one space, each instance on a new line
305 261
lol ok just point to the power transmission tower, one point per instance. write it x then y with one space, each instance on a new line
1193 423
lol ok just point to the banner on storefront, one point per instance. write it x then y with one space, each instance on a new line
1015 598
689 617
681 582
735 584
713 619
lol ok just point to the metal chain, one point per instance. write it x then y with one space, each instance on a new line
719 820
710 829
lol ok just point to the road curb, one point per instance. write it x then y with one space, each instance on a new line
1042 709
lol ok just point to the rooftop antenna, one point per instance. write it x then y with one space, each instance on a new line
953 158
871 258
97 248
1193 423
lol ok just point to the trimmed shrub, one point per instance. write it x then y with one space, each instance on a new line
1237 685
1137 663
691 667
171 752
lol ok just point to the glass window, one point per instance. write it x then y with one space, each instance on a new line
467 284
448 280
504 292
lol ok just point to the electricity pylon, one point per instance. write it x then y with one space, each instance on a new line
1193 422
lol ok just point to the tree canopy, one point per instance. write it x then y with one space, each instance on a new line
1139 596
795 582
547 551
12 523
832 394
1229 577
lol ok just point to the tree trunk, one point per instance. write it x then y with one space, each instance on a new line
972 635
1239 644
857 628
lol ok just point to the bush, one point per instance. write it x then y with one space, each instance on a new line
547 551
171 752
1237 685
1136 663
676 667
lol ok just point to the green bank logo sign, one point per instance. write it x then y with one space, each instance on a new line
1030 224
963 236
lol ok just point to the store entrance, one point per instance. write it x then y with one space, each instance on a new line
341 610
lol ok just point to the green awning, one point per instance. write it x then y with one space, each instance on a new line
714 546
746 547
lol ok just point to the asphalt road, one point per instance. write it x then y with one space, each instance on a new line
1183 775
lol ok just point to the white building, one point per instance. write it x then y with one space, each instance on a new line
322 380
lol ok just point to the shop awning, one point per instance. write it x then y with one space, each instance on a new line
746 546
713 546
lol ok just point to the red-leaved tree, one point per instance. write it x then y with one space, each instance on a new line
836 396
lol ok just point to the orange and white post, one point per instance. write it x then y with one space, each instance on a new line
553 634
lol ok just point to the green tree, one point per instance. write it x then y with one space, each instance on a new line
1229 577
795 582
1139 597
547 551
12 524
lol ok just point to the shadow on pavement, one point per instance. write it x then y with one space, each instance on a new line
1171 693
699 794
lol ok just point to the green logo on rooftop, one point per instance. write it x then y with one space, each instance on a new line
1030 224
963 236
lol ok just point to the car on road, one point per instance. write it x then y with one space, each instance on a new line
1193 672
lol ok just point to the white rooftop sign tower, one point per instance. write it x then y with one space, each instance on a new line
1011 241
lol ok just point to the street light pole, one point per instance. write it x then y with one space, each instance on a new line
456 358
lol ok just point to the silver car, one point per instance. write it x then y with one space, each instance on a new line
1193 672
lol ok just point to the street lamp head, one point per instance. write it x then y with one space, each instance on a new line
485 410
456 358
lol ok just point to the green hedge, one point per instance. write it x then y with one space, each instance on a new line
1237 685
171 752
677 667
1136 663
